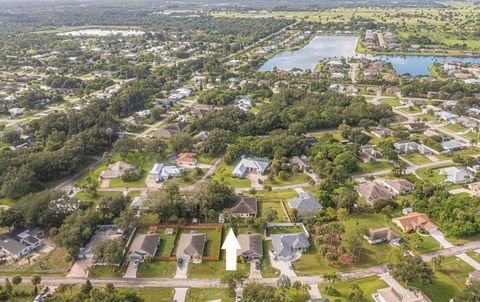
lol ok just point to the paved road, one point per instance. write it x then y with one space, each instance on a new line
353 72
67 185
215 283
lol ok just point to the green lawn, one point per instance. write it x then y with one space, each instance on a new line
427 117
266 268
290 179
284 230
167 245
391 101
151 294
276 205
191 177
447 282
474 255
277 194
432 173
413 111
207 160
372 167
87 197
416 158
213 269
455 128
208 294
368 285
224 175
157 269
107 271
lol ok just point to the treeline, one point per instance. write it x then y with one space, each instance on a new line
450 89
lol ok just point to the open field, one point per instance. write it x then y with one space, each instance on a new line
367 285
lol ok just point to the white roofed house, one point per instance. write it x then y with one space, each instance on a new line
137 202
19 243
250 165
451 145
163 172
457 175
406 146
305 204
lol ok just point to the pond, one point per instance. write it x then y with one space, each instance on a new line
335 47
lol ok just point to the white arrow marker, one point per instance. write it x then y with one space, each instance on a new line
231 246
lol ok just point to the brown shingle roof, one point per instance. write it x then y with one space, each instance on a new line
244 205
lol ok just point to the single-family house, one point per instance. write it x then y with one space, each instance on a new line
244 206
187 159
148 248
251 165
306 204
406 146
414 222
446 116
251 246
17 111
457 175
390 294
382 132
381 235
397 186
191 247
115 170
137 202
475 188
168 131
415 127
201 136
451 145
371 191
19 243
286 246
368 154
161 172
301 163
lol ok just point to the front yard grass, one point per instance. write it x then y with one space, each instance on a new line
151 294
107 271
224 175
214 269
391 101
207 294
455 128
51 263
277 194
265 266
416 158
368 285
290 179
432 173
372 167
191 177
157 269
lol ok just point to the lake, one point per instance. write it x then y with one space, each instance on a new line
334 47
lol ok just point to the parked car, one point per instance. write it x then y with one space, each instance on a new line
257 265
136 263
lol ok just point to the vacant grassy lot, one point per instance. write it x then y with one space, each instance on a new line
276 205
372 167
157 269
107 271
290 179
367 285
207 294
416 158
150 294
391 101
51 263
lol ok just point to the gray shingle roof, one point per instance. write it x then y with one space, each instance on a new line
285 245
305 201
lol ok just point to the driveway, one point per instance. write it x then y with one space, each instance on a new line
131 270
473 263
180 293
437 235
254 273
182 271
282 266
254 178
79 268
393 283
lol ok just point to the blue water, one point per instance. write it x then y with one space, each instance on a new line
335 47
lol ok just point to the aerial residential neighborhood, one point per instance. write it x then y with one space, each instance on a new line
209 151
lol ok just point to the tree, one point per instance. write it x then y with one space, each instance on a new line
284 282
471 293
232 280
109 288
412 269
357 294
181 142
345 198
36 280
254 292
124 146
269 214
437 262
297 285
109 252
16 280
86 288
